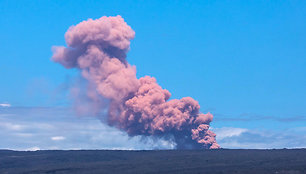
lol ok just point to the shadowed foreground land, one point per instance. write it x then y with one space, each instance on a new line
169 161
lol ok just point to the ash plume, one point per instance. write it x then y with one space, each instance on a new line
98 49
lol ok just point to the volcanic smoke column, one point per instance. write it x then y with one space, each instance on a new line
138 106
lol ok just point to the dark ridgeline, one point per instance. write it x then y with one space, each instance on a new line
283 161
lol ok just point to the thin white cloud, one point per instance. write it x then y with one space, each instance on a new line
265 139
5 105
38 127
58 138
244 145
11 126
35 148
226 132
25 135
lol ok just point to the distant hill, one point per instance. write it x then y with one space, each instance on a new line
222 161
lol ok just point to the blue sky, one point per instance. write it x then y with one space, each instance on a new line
244 61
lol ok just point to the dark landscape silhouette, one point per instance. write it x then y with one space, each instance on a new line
220 161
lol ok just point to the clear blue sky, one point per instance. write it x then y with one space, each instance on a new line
244 61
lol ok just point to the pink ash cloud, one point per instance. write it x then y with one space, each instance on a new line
98 49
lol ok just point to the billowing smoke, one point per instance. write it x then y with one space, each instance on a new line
98 49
